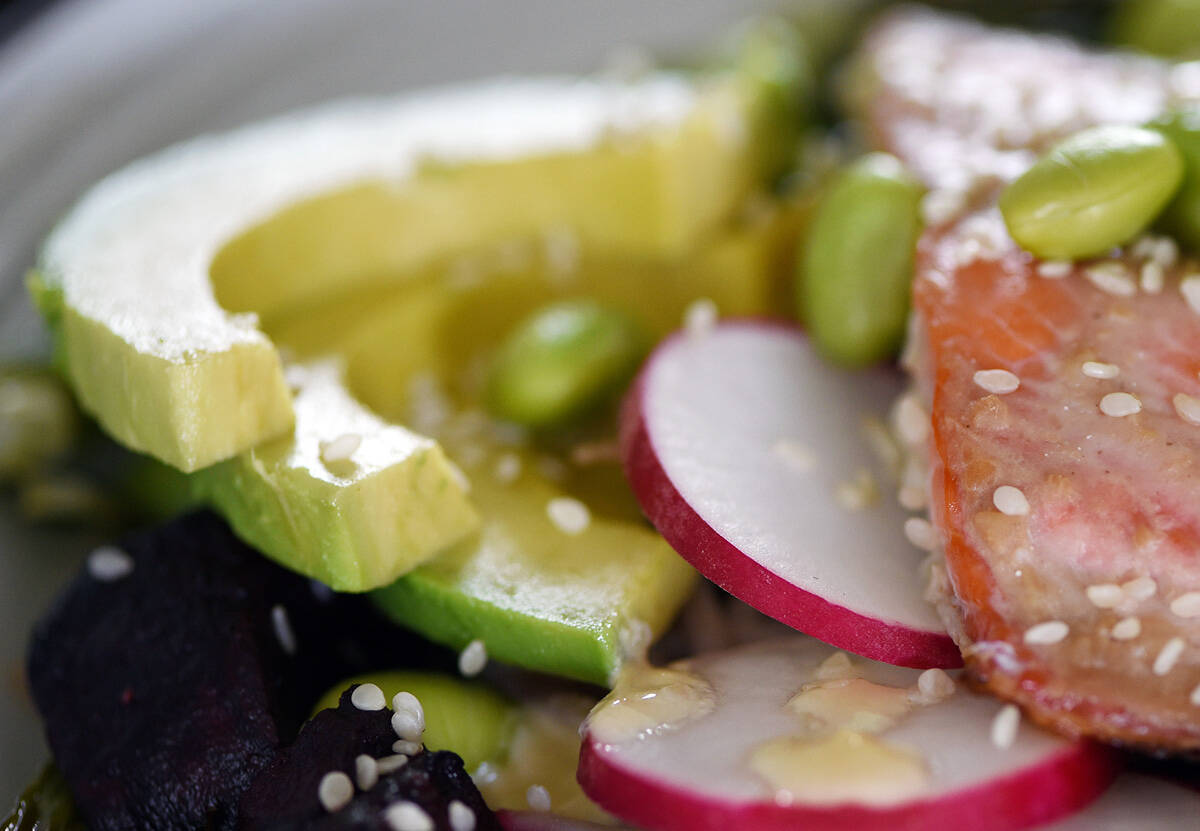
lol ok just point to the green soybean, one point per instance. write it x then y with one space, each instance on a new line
856 269
563 361
1095 190
1182 216
1169 28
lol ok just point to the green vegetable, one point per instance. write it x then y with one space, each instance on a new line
46 805
1182 216
857 264
562 361
1097 189
38 421
1170 28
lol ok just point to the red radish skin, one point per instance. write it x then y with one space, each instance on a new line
726 565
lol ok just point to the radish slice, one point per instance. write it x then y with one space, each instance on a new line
719 742
1138 803
735 442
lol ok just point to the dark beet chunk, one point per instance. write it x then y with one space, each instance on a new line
167 690
284 796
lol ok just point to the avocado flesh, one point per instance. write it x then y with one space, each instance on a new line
351 523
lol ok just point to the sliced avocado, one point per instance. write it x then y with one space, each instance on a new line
355 522
469 718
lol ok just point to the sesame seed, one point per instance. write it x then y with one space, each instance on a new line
341 448
538 798
1195 696
941 205
912 498
391 764
912 422
1111 278
1105 595
1126 629
407 816
1168 655
1120 404
462 818
1190 288
1052 631
460 478
1005 725
508 468
406 748
282 624
935 685
794 455
1097 369
366 771
1010 501
700 316
408 720
920 533
568 515
1188 407
473 658
857 493
1152 278
999 381
1186 605
108 563
1140 588
335 791
1055 269
368 697
835 667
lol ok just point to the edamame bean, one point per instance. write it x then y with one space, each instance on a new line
1182 216
1170 28
856 268
1095 190
562 361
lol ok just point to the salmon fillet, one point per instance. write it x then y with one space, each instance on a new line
1068 508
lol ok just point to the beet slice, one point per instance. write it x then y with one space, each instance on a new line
166 688
284 796
735 441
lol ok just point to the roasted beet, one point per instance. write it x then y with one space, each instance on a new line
167 689
285 794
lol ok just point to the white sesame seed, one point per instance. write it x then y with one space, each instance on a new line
1195 696
1005 725
282 624
368 697
700 316
1139 588
1152 278
935 685
473 658
538 798
1190 288
796 456
568 515
912 498
508 468
911 420
1186 605
462 818
335 791
920 533
366 771
1188 407
858 493
1168 655
941 205
408 720
1120 404
835 667
1111 278
999 381
1166 251
1126 629
341 448
1105 595
407 816
1010 501
1097 369
460 478
1052 631
390 764
404 747
108 563
1055 269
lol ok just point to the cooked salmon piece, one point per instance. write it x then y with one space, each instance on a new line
1064 399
